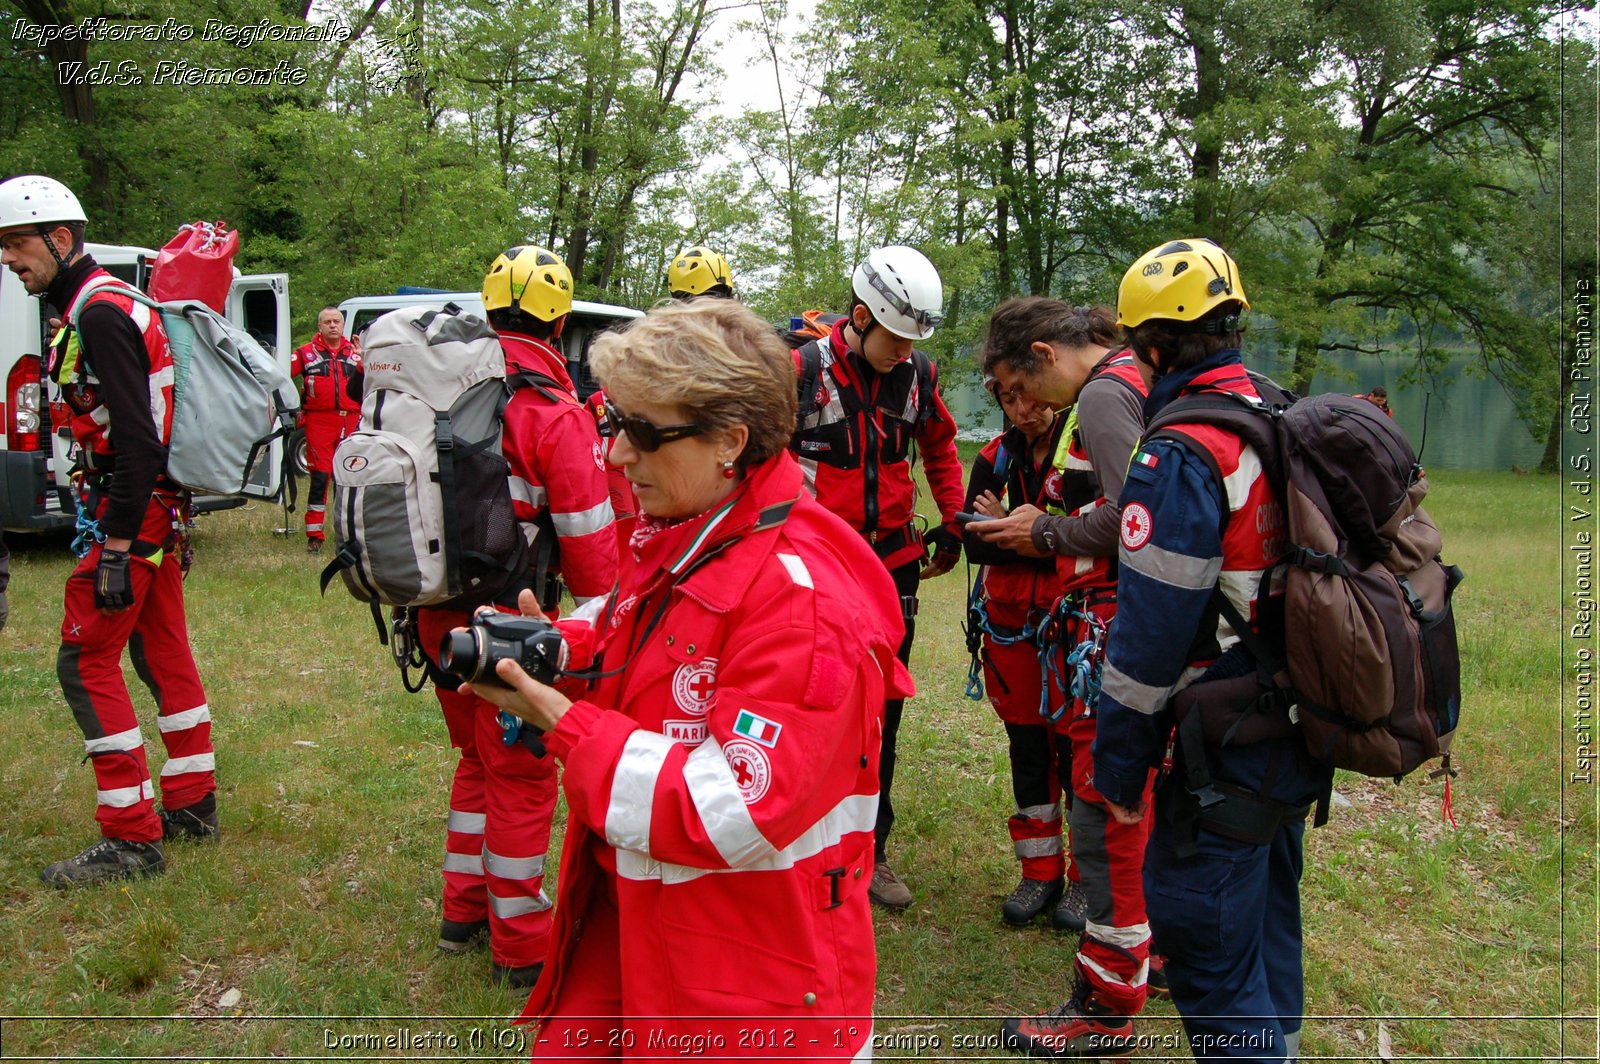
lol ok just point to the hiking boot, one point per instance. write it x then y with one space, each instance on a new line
1072 911
888 890
515 978
106 860
1155 984
313 546
192 823
459 936
1078 1028
1031 898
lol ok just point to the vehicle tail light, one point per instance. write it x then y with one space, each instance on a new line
23 405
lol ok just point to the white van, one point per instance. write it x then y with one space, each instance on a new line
586 321
37 450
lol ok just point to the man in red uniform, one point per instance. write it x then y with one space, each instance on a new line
503 798
865 396
328 371
116 374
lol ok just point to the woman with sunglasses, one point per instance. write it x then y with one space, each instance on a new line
721 753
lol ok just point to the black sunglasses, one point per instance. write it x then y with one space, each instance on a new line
644 435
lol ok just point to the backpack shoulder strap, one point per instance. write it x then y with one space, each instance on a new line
545 385
809 359
926 377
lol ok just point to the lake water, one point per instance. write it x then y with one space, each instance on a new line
1471 424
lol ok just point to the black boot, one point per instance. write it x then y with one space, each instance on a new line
192 823
516 978
105 861
459 936
1031 898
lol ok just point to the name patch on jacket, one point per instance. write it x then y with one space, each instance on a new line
690 733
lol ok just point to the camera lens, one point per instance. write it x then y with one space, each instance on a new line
458 653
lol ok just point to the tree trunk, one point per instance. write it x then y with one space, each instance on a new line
1200 22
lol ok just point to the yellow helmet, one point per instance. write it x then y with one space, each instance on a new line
1182 280
532 279
696 272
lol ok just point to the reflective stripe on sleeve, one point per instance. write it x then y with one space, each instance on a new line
1173 569
1130 692
522 491
856 813
585 522
466 823
723 812
633 789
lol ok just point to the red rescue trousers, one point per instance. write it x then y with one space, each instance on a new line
89 665
1114 952
1039 755
325 430
502 801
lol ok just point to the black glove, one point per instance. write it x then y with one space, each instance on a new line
944 542
113 585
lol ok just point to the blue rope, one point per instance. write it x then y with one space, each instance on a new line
1082 663
88 529
1028 633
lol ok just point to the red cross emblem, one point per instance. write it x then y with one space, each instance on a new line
1137 525
752 772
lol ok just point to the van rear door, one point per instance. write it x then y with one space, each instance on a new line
259 303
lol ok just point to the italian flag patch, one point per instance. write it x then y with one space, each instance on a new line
1146 459
757 729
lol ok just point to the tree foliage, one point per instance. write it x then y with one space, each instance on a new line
1370 162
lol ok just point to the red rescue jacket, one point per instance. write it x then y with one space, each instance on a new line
558 466
725 784
854 440
325 375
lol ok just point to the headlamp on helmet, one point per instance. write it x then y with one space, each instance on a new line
902 290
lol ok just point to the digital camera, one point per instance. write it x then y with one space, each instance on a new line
532 642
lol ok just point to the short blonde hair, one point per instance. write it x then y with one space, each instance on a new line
714 358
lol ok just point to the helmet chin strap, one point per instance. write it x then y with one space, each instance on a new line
44 235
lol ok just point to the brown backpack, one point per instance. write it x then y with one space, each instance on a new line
1368 658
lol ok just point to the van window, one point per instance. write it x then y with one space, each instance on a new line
261 317
364 317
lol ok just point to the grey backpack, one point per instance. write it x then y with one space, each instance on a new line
422 505
230 397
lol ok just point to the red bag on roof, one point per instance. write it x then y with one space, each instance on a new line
196 264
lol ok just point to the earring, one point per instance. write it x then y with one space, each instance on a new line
727 470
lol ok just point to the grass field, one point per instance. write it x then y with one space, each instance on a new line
309 932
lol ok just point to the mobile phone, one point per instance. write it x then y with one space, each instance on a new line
967 519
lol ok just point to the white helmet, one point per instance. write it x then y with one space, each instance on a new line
33 200
902 289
